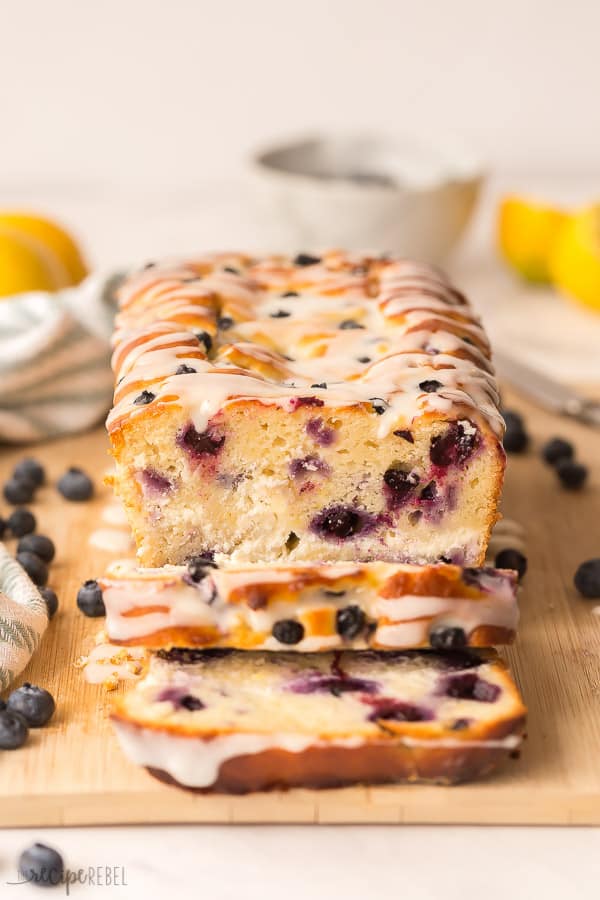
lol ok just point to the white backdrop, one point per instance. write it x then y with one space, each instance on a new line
175 91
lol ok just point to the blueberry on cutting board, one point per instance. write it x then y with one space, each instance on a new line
76 485
13 729
35 704
89 599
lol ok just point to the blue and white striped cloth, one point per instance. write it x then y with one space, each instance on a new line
55 376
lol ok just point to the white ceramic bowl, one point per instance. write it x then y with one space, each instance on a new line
396 194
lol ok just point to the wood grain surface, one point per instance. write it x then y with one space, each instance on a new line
72 772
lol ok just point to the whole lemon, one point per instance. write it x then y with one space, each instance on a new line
575 260
26 265
52 236
527 232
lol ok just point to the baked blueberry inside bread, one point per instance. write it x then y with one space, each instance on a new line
243 721
309 607
316 409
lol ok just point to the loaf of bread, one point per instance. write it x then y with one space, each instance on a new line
310 607
304 410
234 721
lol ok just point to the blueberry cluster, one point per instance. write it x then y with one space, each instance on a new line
560 454
27 707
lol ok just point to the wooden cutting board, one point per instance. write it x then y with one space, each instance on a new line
73 773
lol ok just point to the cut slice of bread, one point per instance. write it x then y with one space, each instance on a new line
310 607
245 721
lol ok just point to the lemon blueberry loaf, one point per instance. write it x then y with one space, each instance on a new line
309 409
233 721
308 607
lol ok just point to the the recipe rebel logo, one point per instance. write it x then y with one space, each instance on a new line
95 876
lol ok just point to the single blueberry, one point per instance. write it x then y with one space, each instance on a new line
205 338
305 259
444 637
587 578
337 521
400 484
398 711
470 686
198 567
405 434
572 475
430 386
190 702
321 384
511 559
200 443
455 446
363 359
557 449
185 370
90 600
39 544
144 398
290 294
75 485
288 631
349 621
224 323
21 522
35 704
13 730
231 270
280 314
35 567
42 865
429 492
51 601
18 490
3 526
379 405
349 324
29 468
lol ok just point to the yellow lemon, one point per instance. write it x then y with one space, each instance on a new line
52 236
26 265
575 260
527 232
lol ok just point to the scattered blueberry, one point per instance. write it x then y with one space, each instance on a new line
30 469
349 324
337 521
379 405
224 323
288 631
400 484
444 637
20 522
572 475
39 544
13 730
305 259
75 485
18 490
35 704
200 443
430 386
197 567
455 446
51 601
35 567
405 434
511 559
191 703
205 338
556 449
185 370
89 599
587 578
470 686
42 865
144 398
516 438
280 314
349 621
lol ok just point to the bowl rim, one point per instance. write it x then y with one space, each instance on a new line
474 168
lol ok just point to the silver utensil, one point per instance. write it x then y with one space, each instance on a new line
543 390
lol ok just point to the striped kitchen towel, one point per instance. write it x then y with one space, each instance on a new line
55 375
23 618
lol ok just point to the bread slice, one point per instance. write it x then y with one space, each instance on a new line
315 409
234 721
310 607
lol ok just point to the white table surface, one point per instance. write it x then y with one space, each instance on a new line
414 862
